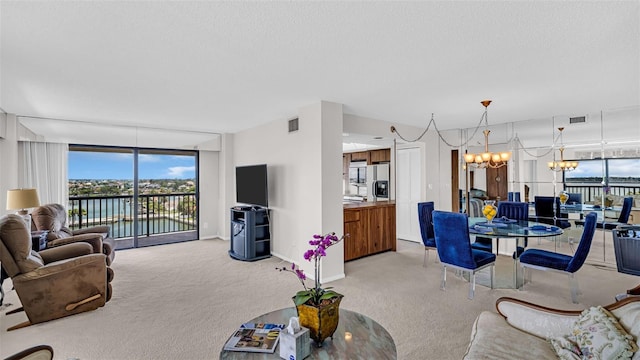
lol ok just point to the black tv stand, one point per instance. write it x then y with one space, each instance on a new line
250 233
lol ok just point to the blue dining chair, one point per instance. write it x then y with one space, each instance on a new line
513 196
548 211
623 218
454 248
550 261
513 210
425 210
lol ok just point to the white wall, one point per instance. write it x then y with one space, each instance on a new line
305 181
208 165
226 185
8 161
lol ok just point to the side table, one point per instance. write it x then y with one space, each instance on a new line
39 240
357 337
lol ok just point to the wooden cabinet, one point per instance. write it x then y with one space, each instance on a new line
371 157
360 156
497 187
371 229
355 245
346 160
379 156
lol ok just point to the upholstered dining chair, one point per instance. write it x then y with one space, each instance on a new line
425 218
546 260
623 218
548 211
454 248
513 196
512 210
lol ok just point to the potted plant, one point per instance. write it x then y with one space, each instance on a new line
317 307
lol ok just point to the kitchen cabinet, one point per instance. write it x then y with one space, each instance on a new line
346 161
360 156
381 155
355 245
371 228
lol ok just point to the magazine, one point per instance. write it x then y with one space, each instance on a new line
255 337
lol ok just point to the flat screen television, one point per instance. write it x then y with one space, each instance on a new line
251 185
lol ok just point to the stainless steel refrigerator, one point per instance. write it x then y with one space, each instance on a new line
378 182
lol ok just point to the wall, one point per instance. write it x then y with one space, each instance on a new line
208 166
305 181
8 161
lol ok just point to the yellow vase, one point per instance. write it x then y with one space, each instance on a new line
322 320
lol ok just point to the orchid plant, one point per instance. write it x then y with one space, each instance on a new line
314 295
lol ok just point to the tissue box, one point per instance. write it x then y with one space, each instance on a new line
296 346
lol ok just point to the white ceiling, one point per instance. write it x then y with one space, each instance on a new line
227 66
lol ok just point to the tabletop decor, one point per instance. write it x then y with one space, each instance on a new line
317 307
489 210
564 196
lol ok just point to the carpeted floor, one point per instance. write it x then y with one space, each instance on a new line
182 301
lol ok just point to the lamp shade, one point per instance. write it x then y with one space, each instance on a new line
22 199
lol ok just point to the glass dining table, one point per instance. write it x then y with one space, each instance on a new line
507 273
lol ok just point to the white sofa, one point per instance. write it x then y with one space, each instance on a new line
520 329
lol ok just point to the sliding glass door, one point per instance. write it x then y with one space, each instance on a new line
147 196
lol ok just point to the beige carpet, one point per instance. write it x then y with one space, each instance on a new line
181 301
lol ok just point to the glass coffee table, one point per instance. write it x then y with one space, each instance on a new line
357 337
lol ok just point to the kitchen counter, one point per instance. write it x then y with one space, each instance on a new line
371 227
367 204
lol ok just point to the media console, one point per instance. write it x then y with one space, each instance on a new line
250 233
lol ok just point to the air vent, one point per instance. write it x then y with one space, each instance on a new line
577 119
293 125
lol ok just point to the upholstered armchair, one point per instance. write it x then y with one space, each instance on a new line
53 218
53 283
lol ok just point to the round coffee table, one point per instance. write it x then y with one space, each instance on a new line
357 337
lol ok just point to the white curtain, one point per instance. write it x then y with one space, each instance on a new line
44 166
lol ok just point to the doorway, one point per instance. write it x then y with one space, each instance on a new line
408 193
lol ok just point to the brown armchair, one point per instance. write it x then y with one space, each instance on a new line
53 218
52 283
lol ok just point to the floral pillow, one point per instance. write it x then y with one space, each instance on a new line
599 336
566 348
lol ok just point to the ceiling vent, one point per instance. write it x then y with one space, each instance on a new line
293 125
577 119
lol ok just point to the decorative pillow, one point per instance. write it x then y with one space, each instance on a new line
600 336
566 348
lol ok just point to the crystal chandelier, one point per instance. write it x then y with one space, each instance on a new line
487 159
562 165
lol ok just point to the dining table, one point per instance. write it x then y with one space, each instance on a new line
507 273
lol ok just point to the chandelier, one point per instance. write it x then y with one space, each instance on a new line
487 159
562 165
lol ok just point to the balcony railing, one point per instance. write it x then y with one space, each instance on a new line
157 213
591 193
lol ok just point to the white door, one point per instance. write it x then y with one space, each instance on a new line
408 195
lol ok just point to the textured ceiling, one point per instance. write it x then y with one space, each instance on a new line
228 66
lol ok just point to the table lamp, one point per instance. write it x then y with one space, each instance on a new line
23 199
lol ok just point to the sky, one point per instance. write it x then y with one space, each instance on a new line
119 166
617 168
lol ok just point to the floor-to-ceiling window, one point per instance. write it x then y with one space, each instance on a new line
598 177
146 196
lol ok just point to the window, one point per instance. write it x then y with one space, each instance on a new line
151 190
